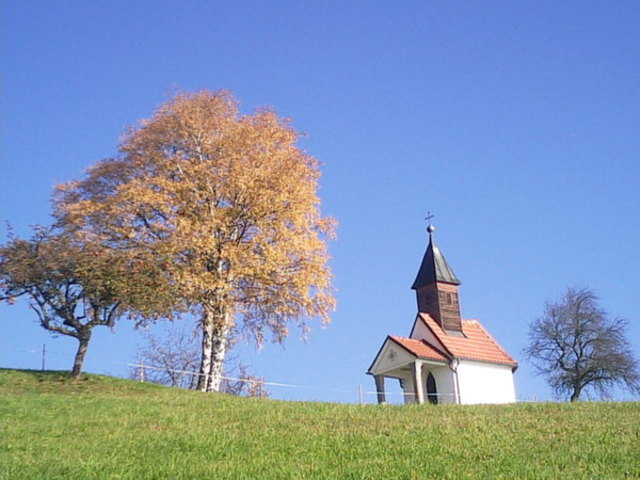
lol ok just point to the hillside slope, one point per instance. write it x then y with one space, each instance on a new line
107 428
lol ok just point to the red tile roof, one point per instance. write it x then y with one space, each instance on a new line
476 344
420 348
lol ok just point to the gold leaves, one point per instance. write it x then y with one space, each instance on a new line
223 205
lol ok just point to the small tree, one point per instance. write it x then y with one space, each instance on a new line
174 358
576 346
72 288
226 206
245 384
171 360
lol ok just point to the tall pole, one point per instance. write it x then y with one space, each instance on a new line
44 354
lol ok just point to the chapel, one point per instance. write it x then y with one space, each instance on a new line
445 358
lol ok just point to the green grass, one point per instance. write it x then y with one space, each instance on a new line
107 428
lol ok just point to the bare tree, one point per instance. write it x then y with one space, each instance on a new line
174 360
244 384
576 346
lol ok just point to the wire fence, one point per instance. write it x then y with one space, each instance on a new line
141 372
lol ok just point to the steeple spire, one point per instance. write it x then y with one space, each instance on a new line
434 267
436 287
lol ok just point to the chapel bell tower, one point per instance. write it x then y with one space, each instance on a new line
436 288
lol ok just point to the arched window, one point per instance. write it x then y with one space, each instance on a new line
432 393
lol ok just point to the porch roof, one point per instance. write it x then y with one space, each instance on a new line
420 348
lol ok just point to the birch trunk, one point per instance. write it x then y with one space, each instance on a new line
215 329
218 352
207 344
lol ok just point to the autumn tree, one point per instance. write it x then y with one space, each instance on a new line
71 288
576 346
226 204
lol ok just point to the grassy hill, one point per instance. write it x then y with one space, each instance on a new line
107 428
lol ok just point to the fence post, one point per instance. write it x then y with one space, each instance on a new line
142 370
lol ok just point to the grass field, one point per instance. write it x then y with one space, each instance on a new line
108 428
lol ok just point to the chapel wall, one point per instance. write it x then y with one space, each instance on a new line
485 383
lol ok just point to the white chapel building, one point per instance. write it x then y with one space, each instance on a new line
445 359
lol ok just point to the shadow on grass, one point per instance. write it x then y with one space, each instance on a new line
58 381
42 375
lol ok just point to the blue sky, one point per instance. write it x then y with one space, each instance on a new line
516 123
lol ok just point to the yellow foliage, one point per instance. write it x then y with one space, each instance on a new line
225 202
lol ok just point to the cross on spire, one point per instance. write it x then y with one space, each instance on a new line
428 218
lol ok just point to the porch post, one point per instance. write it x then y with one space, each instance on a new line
417 382
380 388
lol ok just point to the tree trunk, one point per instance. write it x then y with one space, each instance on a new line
218 353
83 339
215 328
207 344
576 394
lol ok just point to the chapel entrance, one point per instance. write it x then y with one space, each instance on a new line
432 394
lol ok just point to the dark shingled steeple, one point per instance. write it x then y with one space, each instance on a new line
436 288
434 267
